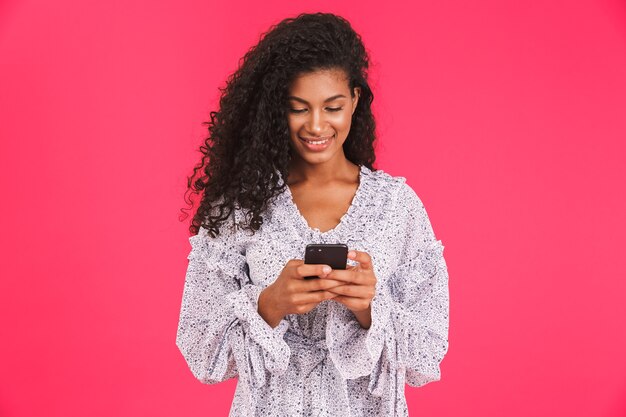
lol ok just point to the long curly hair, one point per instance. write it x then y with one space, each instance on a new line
249 137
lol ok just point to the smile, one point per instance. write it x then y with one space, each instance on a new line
317 141
317 144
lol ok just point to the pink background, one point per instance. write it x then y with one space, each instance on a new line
508 118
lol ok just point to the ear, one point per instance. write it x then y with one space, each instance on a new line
355 99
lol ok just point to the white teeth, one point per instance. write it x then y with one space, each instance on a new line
318 142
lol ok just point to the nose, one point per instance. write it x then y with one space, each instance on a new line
316 122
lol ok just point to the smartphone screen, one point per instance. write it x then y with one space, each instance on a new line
334 255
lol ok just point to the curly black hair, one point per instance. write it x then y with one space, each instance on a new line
249 136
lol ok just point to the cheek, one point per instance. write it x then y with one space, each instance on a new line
343 121
293 125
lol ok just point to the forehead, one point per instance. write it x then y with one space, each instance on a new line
320 84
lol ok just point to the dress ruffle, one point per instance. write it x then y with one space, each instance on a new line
381 350
273 351
220 253
266 344
325 352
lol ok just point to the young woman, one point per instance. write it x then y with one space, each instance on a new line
288 162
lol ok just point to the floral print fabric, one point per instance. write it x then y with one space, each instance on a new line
322 363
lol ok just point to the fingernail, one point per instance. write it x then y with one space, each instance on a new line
326 269
351 254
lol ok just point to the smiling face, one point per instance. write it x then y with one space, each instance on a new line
320 115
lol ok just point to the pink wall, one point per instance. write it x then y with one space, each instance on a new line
508 118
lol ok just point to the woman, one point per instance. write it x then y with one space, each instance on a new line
289 162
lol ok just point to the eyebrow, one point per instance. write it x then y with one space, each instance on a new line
325 101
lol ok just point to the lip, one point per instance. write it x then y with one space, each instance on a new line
317 148
317 138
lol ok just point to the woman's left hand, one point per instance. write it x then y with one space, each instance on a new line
359 285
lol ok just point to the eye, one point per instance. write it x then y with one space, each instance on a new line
333 109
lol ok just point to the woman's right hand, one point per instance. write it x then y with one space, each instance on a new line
290 293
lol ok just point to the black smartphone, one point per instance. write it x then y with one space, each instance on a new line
334 255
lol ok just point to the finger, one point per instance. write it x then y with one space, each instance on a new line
349 276
343 300
313 297
363 258
305 308
354 304
321 284
349 302
302 308
308 270
304 286
354 291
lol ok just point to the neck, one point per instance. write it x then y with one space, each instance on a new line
322 173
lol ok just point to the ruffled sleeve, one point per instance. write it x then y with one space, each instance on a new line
220 332
409 328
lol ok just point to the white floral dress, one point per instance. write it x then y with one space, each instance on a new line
322 363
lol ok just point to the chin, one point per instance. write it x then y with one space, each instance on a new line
317 159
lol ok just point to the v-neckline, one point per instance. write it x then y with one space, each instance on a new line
301 220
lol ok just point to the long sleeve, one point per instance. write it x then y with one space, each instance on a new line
409 311
419 297
220 333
